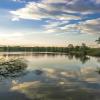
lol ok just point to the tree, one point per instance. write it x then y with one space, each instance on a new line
98 40
84 49
77 48
70 48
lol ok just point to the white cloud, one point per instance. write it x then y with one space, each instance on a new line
12 35
55 24
55 9
55 1
16 0
37 11
70 28
90 26
20 1
15 19
59 10
31 11
49 8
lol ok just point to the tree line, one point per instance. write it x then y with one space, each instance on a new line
70 49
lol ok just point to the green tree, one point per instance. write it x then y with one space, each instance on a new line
84 49
70 48
98 40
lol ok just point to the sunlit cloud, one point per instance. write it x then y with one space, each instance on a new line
61 11
38 11
16 34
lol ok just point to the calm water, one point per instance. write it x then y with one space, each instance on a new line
51 77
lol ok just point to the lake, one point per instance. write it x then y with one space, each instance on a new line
51 76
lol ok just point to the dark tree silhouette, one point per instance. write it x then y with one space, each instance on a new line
98 40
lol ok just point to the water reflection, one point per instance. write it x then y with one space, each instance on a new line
37 91
83 59
48 76
60 85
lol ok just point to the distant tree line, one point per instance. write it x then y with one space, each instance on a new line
70 49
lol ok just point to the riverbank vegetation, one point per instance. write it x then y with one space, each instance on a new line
12 67
70 49
76 50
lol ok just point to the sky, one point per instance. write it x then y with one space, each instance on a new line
49 22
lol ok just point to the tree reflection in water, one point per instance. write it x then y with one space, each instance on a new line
82 58
12 67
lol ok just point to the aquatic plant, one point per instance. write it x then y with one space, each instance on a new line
12 67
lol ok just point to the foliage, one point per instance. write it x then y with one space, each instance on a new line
70 49
98 40
12 67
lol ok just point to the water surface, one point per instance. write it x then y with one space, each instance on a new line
50 76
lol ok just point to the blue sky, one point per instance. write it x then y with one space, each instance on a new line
49 22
